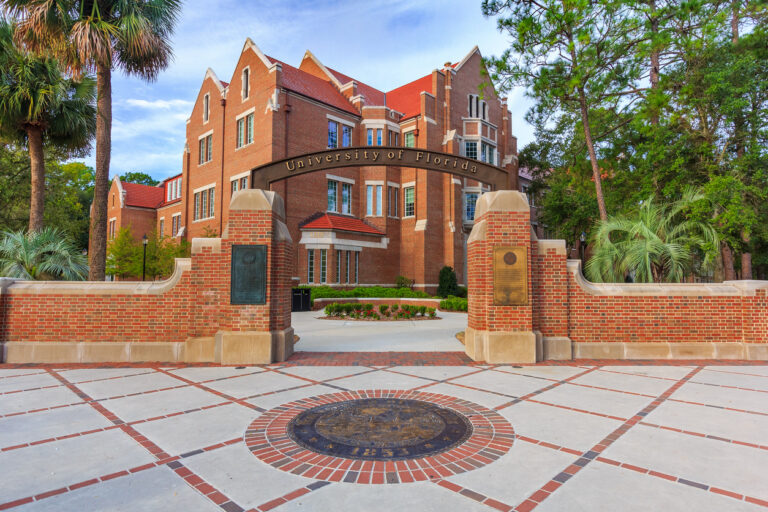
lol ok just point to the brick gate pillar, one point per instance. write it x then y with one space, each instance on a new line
245 333
498 332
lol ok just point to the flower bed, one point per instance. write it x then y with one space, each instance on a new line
357 311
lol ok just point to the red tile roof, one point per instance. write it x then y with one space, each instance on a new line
333 222
143 196
407 98
311 86
372 95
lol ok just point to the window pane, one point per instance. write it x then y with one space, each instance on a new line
249 129
347 269
357 267
410 202
409 140
240 126
244 183
211 195
370 136
234 186
470 150
203 204
310 266
162 227
201 158
378 136
346 136
332 187
338 266
209 154
379 199
333 134
245 84
369 197
196 210
346 198
323 265
470 200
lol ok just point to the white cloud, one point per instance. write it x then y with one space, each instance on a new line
160 104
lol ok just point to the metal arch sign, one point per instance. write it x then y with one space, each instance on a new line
263 175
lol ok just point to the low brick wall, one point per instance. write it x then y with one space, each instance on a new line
321 303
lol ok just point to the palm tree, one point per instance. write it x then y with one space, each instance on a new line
659 243
39 105
132 35
41 255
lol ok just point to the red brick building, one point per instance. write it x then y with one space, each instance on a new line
357 225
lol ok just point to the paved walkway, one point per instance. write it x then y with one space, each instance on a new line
364 336
586 437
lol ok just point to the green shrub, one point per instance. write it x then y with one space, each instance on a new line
422 310
461 291
453 304
384 309
357 307
447 283
404 282
326 292
349 308
431 312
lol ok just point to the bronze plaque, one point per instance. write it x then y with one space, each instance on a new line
510 276
249 274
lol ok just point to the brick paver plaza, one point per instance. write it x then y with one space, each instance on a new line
585 435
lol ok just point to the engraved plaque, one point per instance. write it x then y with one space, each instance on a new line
510 276
249 274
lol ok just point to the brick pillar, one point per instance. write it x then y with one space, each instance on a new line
245 334
499 333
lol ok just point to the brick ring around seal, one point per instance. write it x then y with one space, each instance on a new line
365 436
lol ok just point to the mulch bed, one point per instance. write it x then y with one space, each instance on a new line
383 319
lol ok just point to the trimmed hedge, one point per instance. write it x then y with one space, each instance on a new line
454 304
327 292
387 311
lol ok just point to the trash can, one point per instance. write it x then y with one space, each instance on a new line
301 299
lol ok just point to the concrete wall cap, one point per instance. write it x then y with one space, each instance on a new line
281 232
198 244
257 199
748 286
557 245
5 282
651 289
102 287
501 201
479 232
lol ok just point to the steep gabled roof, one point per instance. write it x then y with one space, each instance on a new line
407 98
373 96
142 196
334 222
311 86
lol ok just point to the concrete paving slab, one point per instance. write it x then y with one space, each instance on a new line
149 405
30 381
26 428
320 373
723 397
733 467
258 384
731 379
670 372
82 375
381 380
38 399
210 373
546 372
489 400
154 489
128 385
559 426
436 372
505 383
613 403
603 487
284 397
624 382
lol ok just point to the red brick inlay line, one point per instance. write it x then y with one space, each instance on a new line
492 437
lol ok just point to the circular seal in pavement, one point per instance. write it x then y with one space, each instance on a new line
379 436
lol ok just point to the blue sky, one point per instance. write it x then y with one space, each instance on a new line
384 43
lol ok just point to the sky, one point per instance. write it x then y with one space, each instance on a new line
384 43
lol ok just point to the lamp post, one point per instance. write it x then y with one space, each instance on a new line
583 240
144 242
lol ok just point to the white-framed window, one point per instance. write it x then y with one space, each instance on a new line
346 136
206 107
206 149
175 224
173 189
234 187
379 200
370 136
470 200
379 135
333 188
346 198
410 139
162 227
477 108
333 134
338 267
392 193
244 131
310 265
357 267
246 78
347 269
369 200
323 265
112 228
470 149
487 153
409 195
394 138
204 204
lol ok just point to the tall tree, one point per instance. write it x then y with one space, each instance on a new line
141 178
101 35
40 106
572 56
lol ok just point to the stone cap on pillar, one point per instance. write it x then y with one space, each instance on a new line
258 199
501 201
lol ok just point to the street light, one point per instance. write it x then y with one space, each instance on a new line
582 246
144 242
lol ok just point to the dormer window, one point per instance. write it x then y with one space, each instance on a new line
206 109
246 83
